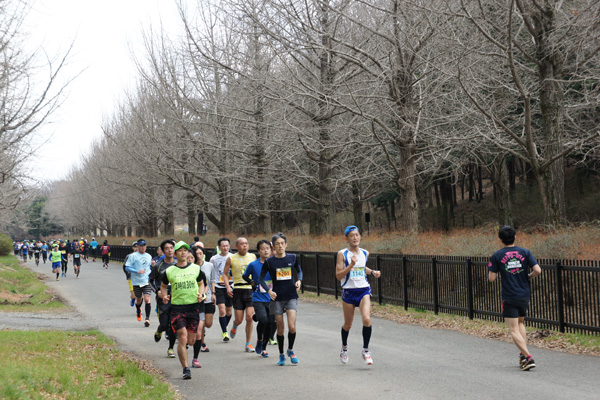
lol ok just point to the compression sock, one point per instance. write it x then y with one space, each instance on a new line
228 319
291 339
223 323
138 308
148 310
280 343
197 346
260 330
58 273
367 336
345 337
172 338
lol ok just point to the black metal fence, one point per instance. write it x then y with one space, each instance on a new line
565 297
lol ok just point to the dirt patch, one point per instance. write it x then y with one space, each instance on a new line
7 297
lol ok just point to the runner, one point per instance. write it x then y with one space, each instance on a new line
76 259
56 259
164 309
260 298
65 257
37 249
30 249
241 293
285 270
16 248
105 252
187 294
44 249
351 270
86 250
139 265
206 318
224 302
513 264
94 247
128 275
24 251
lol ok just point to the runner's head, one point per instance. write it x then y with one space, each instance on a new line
168 248
141 245
241 244
352 235
507 235
105 242
223 244
134 246
264 248
181 250
198 252
279 243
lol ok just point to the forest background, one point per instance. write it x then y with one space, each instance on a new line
430 119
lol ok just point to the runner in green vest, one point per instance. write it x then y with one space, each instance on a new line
187 301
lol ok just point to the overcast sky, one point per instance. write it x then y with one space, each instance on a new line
105 33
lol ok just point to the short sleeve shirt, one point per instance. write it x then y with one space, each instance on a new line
513 265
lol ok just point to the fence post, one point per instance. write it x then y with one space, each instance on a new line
335 281
301 264
318 284
435 285
379 294
470 288
559 294
405 282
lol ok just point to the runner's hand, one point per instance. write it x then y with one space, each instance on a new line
166 298
272 294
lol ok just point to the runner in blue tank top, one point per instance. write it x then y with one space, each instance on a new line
351 269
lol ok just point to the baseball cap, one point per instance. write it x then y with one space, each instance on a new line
134 244
350 229
55 245
181 244
141 242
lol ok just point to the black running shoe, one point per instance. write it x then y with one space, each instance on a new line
187 374
157 336
522 358
528 364
204 348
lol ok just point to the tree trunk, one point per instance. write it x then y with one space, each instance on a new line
409 204
357 206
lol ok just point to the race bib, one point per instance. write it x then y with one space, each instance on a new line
357 273
269 285
76 255
284 274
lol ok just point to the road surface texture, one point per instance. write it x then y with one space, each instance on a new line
410 362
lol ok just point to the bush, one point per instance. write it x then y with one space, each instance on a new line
6 245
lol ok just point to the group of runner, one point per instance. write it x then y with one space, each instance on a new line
189 290
59 253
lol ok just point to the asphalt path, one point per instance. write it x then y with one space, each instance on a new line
410 362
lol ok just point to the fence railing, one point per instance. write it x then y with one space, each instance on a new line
565 297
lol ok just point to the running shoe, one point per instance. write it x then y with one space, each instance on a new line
233 332
187 374
204 348
258 348
170 353
281 359
272 342
147 323
139 314
132 302
195 363
264 354
249 348
528 364
367 357
292 356
344 355
225 337
157 336
522 358
57 278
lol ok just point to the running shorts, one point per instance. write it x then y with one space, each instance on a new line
515 308
279 307
242 299
209 308
222 297
139 290
262 311
185 319
354 296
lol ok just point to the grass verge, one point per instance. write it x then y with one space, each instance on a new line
575 343
21 290
73 365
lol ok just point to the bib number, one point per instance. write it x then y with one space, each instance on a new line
284 274
357 273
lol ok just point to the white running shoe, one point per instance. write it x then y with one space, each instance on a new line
367 357
344 356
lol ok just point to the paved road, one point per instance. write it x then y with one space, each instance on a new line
410 362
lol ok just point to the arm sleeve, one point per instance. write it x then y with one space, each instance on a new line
249 271
263 273
164 278
298 269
